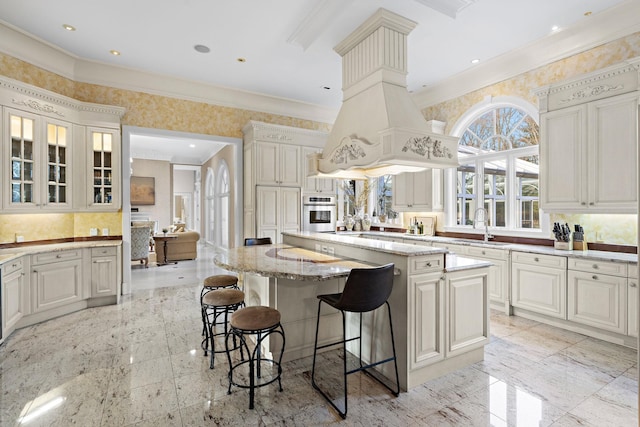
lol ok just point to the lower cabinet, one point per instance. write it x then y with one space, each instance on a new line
104 272
279 210
427 327
13 295
597 300
498 276
539 283
56 284
468 322
632 301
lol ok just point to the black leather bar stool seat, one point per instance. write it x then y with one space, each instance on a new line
365 290
261 322
215 304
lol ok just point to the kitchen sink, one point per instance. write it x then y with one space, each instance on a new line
480 242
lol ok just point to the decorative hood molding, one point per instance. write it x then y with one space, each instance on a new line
379 129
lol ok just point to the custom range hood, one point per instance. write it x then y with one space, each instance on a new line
379 129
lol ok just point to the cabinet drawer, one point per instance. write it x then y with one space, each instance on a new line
458 249
487 252
426 264
56 256
633 271
537 259
104 251
602 267
12 267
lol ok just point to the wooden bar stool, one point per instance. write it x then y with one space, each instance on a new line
366 289
215 304
262 322
219 281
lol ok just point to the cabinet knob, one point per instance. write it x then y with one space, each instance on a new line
594 277
595 266
632 284
14 265
583 203
484 252
591 204
536 259
58 256
428 264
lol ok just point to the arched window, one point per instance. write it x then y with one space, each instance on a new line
222 197
498 172
209 208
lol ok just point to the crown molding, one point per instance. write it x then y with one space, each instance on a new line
604 27
25 47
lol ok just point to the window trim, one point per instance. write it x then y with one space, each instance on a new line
450 176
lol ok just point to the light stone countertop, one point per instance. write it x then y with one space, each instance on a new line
10 254
453 262
536 249
286 262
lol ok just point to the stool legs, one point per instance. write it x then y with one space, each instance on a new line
362 367
254 359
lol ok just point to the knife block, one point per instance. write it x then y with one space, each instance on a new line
580 246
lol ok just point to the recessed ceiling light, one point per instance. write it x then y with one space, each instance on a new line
475 61
202 48
241 60
192 145
587 13
555 28
114 52
68 27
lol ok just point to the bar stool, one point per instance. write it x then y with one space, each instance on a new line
211 283
365 290
263 322
214 304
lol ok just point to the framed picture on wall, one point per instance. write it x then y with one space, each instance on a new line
143 190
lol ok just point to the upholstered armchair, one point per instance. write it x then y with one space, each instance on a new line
140 244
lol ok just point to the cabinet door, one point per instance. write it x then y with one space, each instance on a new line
22 179
613 139
57 171
267 220
103 168
56 284
539 289
290 210
267 163
402 191
597 300
427 322
289 166
632 307
13 295
103 276
468 322
563 160
421 190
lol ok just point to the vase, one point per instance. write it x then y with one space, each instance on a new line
349 222
366 223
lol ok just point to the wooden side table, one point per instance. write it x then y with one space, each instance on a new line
164 239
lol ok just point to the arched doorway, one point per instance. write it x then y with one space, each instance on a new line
222 205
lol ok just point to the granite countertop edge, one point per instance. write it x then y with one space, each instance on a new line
8 255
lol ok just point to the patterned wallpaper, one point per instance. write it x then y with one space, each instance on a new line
614 229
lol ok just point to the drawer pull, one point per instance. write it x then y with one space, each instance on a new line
594 277
428 263
58 256
14 265
632 284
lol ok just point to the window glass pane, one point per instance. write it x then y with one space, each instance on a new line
62 136
528 191
526 134
16 127
466 199
16 148
15 193
28 150
507 119
384 199
27 129
51 133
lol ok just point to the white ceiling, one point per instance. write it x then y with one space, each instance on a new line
288 44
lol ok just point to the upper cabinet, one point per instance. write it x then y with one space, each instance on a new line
52 145
312 184
418 191
588 142
278 164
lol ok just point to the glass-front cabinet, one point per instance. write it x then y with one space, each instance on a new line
58 154
103 158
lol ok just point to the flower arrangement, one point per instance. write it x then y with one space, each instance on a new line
357 199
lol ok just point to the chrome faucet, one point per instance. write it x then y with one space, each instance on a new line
483 211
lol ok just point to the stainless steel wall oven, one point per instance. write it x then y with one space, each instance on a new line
319 213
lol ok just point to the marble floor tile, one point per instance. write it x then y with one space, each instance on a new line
139 363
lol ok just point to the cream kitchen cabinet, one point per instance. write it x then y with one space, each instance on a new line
632 300
418 191
311 184
56 279
278 164
14 295
38 162
539 283
588 143
596 298
427 327
278 211
104 271
51 165
468 320
498 274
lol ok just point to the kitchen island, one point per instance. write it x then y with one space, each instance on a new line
438 303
